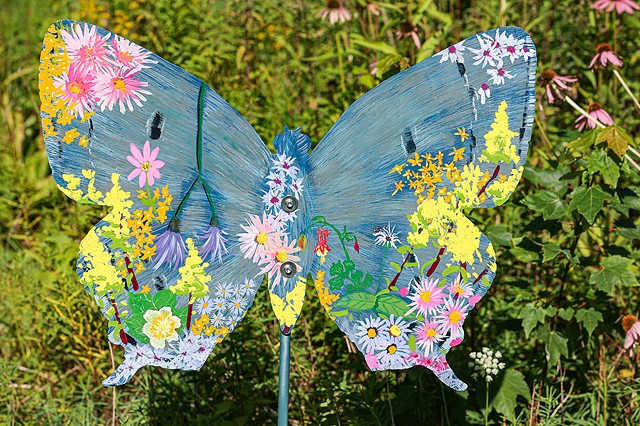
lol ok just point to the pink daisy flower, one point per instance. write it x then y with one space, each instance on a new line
453 315
129 54
595 110
459 289
86 48
552 83
620 6
78 86
259 235
604 56
280 252
488 54
631 326
145 163
426 297
408 29
120 86
428 337
335 11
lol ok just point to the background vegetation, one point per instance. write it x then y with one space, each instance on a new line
567 240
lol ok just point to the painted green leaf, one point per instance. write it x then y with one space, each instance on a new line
548 203
616 138
589 319
616 270
389 304
395 266
336 283
588 201
357 302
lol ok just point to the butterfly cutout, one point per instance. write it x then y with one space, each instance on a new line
201 210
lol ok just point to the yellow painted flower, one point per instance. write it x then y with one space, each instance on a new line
462 133
161 326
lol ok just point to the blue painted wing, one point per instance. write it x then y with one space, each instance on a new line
398 265
177 165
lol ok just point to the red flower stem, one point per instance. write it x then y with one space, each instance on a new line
134 280
495 175
123 335
189 313
395 279
480 276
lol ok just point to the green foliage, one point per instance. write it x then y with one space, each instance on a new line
566 242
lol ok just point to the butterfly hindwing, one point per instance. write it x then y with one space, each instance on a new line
177 165
400 265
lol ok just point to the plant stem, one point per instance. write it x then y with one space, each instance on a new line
343 85
444 400
624 84
486 405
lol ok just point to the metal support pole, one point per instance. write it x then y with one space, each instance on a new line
283 385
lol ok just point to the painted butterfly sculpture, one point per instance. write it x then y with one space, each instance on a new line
201 210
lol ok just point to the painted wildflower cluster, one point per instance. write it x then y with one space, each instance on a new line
493 51
266 240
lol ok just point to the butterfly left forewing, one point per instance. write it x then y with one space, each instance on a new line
176 164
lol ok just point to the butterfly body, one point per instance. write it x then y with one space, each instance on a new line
201 210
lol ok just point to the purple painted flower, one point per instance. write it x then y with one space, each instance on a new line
214 244
604 56
170 247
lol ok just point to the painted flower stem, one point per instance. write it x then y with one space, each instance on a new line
134 280
189 313
395 279
320 221
602 126
123 335
624 84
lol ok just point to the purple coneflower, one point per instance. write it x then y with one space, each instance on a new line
335 11
170 247
631 326
548 79
213 246
620 6
595 110
408 29
605 55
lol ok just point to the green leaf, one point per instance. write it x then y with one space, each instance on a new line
550 251
616 138
164 298
349 266
588 201
378 46
556 347
589 318
453 269
616 270
512 385
357 302
531 316
403 249
546 202
601 163
498 235
566 313
395 266
389 304
584 141
524 255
